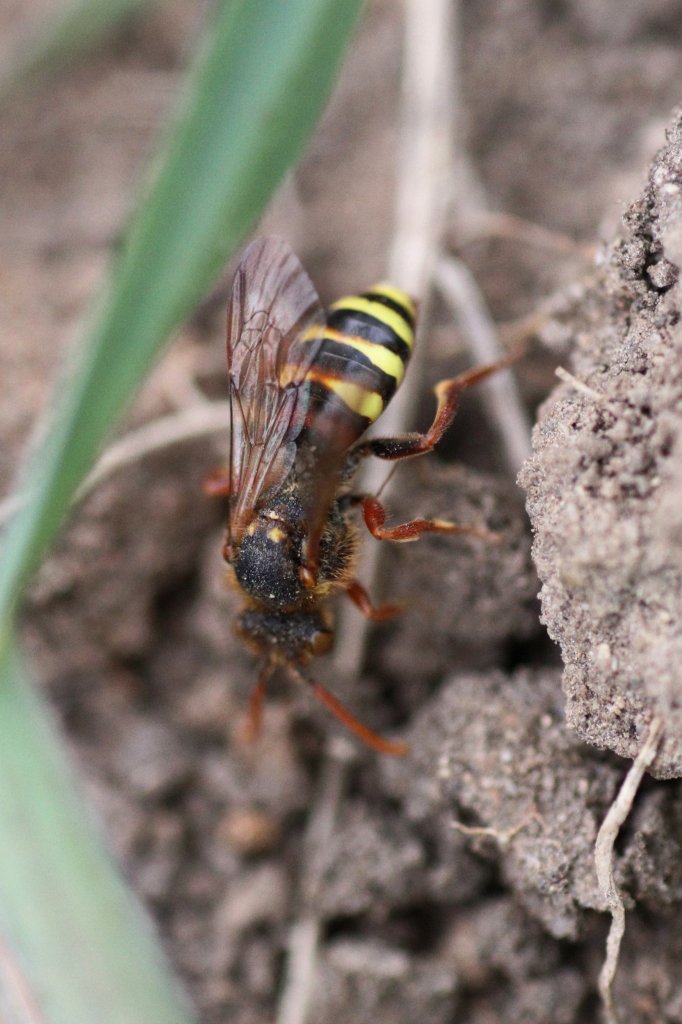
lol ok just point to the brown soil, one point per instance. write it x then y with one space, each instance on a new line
458 883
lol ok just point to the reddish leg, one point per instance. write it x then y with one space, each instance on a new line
253 723
374 514
216 484
367 735
448 392
361 599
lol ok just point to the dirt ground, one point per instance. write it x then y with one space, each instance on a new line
458 883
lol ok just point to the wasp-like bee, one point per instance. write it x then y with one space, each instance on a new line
304 387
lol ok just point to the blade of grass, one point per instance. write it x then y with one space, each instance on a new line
71 933
264 76
66 35
63 908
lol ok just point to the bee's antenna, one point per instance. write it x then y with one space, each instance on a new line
367 735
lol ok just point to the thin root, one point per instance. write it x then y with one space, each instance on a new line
603 858
579 385
485 224
502 837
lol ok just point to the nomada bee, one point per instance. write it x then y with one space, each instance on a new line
304 385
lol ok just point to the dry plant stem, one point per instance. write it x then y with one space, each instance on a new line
502 837
483 224
426 144
603 857
304 939
500 394
196 421
556 305
421 191
585 389
306 931
578 385
424 164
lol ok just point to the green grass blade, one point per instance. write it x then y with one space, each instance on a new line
266 72
67 926
74 30
76 948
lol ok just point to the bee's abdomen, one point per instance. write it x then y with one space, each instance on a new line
367 343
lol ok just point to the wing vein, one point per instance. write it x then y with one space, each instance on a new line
272 302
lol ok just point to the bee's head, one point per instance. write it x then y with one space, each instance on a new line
267 563
286 637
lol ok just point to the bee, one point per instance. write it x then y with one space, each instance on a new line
304 386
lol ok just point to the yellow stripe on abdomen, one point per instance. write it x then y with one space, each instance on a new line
359 400
397 297
353 365
387 316
383 358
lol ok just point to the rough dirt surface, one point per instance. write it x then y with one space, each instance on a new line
604 488
458 883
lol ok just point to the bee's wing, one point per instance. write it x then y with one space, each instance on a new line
273 301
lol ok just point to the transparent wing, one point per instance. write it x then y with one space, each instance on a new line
273 303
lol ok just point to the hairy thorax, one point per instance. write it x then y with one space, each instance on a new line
283 614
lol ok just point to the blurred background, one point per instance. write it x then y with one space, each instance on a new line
556 109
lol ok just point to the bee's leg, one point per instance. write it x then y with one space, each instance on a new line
361 599
374 514
367 735
216 484
256 698
448 392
